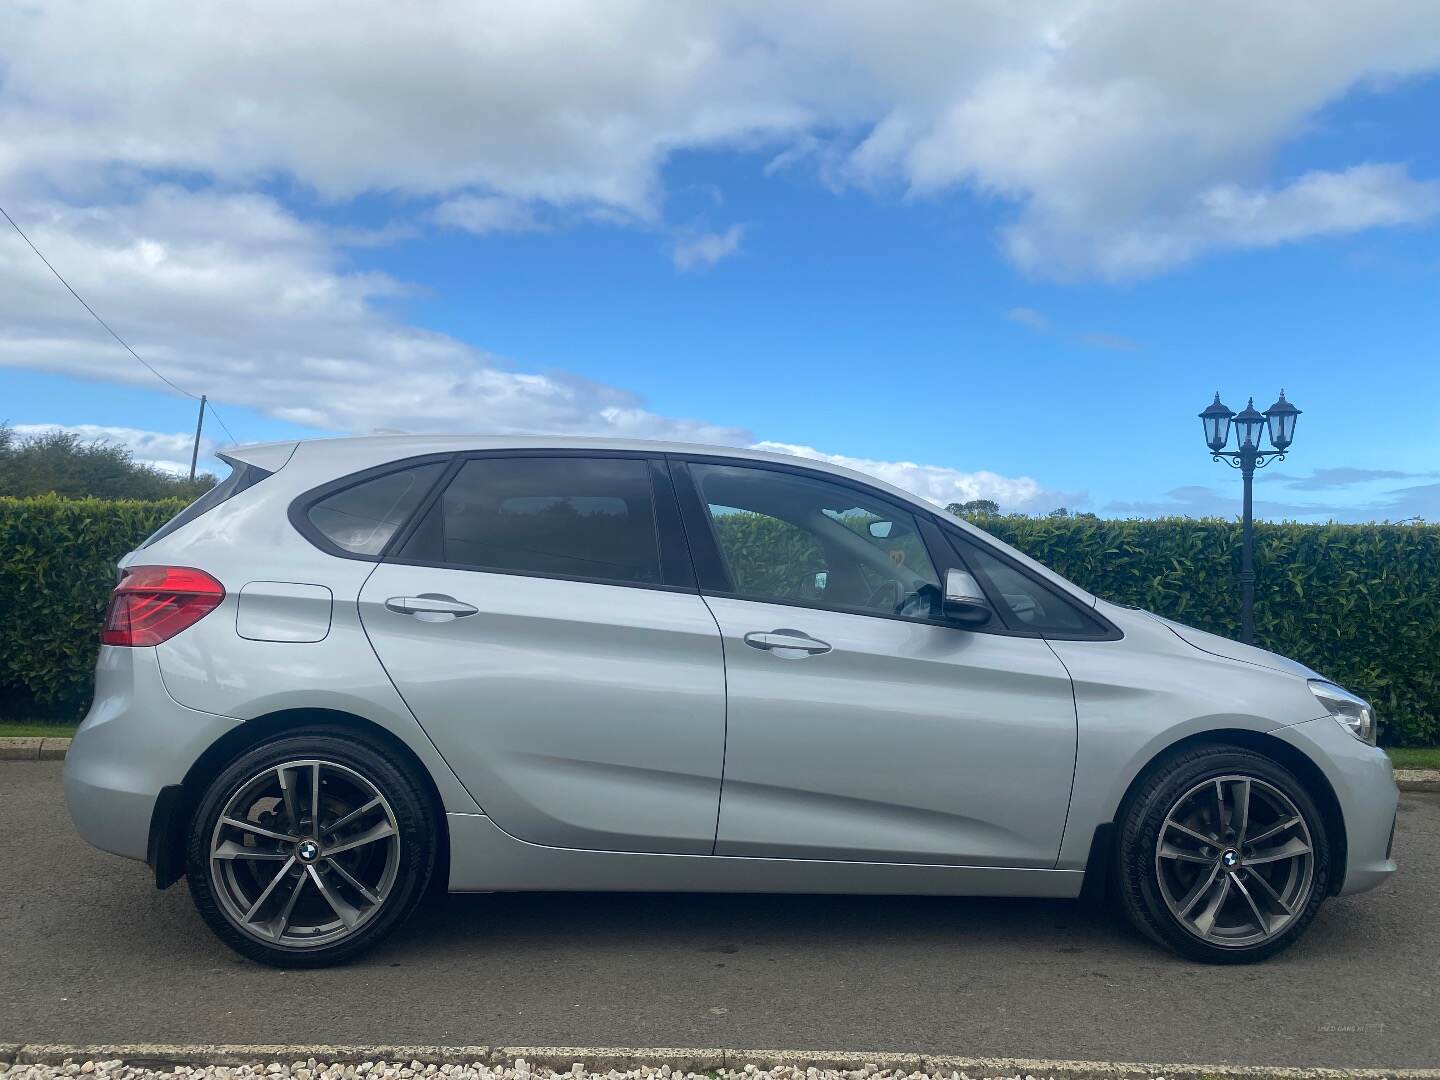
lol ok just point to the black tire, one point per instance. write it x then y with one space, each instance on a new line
408 872
1138 863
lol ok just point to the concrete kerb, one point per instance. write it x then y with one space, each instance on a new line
561 1059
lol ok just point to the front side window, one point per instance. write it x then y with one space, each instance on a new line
785 537
363 517
567 516
1028 605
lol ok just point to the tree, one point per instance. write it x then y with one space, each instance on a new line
63 463
974 506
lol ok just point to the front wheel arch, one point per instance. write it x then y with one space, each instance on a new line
1279 751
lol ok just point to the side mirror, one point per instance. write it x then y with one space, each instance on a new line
965 602
881 530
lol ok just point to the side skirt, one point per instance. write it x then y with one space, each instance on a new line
485 858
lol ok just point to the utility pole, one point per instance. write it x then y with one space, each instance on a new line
195 451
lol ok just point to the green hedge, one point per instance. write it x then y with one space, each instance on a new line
1360 603
57 567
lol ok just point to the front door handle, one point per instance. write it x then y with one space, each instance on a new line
431 607
787 644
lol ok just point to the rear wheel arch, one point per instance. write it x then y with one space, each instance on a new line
168 842
1283 754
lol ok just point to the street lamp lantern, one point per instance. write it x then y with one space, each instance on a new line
1250 425
1216 419
1281 417
1249 422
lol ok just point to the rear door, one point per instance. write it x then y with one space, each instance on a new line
541 620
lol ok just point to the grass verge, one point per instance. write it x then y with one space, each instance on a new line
1415 757
18 729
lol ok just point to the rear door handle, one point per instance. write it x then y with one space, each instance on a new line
431 607
788 644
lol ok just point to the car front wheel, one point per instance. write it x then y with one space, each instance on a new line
1224 855
307 850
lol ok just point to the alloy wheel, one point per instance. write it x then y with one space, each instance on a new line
304 853
1235 861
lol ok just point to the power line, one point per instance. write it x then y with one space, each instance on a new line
124 344
210 407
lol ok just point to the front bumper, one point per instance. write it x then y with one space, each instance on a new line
135 741
1364 783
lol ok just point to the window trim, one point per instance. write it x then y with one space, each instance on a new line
677 573
299 511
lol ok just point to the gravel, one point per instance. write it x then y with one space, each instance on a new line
310 1069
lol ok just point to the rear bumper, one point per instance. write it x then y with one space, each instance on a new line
1364 784
135 742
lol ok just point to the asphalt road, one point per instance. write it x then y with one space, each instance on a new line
90 952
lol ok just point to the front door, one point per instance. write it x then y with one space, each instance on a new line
551 647
860 725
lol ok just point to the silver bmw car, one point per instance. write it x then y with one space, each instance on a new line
361 670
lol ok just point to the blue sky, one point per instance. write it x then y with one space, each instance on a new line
856 251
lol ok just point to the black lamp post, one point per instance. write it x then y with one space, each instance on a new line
1247 457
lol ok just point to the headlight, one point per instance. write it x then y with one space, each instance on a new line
1354 713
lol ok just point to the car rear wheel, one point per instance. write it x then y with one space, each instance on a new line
310 849
1223 856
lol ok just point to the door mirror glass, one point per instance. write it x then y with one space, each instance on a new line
965 603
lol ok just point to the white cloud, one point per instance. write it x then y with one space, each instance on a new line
1230 216
1041 323
1028 317
165 450
1126 136
486 214
943 485
233 296
1102 339
707 248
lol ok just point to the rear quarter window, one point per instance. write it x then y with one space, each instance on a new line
362 517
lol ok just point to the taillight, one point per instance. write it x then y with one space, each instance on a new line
154 603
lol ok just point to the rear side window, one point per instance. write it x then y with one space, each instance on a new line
241 476
363 517
565 516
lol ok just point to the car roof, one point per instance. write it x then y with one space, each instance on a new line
354 451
